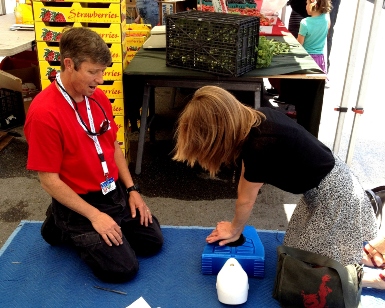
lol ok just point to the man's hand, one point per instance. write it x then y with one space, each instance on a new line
107 228
136 202
225 233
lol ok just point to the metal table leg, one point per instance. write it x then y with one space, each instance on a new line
143 126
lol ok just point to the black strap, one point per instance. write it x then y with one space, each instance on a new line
377 197
348 288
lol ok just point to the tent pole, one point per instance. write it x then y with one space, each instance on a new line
349 74
374 26
283 14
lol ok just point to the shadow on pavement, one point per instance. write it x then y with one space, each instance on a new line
163 177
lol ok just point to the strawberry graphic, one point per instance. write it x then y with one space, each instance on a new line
45 15
51 74
47 35
58 36
49 55
59 17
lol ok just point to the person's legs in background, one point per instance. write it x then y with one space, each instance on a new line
294 22
333 19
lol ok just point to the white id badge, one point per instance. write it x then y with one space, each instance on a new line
108 185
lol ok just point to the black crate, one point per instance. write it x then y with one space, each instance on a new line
218 43
11 109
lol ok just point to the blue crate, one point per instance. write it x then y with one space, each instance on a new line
251 255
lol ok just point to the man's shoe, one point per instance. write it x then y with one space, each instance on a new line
277 99
272 91
49 231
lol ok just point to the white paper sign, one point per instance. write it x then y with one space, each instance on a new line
139 303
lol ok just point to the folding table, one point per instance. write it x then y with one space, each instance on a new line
302 76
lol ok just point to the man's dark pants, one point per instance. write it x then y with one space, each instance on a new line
109 263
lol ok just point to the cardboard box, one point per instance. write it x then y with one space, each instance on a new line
109 32
130 55
22 66
80 12
26 75
118 51
117 106
114 72
11 102
15 83
169 7
113 89
9 81
131 14
138 33
130 3
45 83
48 70
119 120
138 27
48 52
26 13
134 43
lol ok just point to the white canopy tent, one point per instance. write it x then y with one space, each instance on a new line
359 106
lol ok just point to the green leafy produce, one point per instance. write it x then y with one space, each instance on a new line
269 48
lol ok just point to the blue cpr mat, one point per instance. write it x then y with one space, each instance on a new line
34 274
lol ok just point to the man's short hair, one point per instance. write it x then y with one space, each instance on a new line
83 44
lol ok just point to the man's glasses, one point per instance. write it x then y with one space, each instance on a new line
105 125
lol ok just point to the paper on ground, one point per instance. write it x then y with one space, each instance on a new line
139 303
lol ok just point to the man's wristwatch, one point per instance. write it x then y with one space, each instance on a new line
134 187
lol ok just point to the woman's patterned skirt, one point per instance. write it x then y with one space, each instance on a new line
334 219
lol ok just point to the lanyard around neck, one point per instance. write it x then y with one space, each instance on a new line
90 119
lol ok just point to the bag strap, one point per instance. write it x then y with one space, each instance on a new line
348 289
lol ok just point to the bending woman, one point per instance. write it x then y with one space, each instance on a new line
333 218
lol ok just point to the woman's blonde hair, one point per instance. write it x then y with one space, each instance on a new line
212 128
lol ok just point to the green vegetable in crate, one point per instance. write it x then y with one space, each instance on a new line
269 48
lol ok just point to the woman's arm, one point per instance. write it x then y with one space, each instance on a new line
227 231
